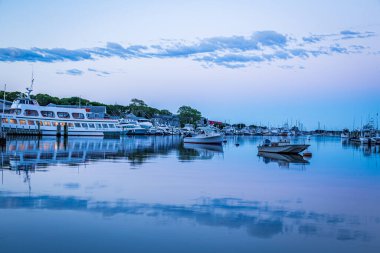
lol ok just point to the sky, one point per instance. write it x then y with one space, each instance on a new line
257 62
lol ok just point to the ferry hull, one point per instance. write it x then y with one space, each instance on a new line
48 132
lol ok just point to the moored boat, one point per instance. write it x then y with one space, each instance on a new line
205 135
27 117
282 146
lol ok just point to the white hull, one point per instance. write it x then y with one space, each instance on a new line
204 139
286 149
51 130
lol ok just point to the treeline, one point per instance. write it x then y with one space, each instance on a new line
137 106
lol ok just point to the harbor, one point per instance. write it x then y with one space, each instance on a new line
189 126
25 117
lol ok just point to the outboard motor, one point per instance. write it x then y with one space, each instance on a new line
267 142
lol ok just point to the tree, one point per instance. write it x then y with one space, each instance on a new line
165 112
137 102
188 115
10 96
45 99
239 125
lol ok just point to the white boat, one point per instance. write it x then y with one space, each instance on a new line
145 123
205 135
26 116
131 127
282 146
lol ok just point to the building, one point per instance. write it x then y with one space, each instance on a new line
167 120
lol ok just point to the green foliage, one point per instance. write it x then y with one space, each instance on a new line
137 102
10 96
239 125
139 108
165 112
45 99
188 115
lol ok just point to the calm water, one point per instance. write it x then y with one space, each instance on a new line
153 194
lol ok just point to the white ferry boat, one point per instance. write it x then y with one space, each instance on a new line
26 116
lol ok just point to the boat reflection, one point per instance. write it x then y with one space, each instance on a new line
192 151
283 160
29 153
368 150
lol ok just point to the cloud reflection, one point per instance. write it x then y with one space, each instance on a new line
259 219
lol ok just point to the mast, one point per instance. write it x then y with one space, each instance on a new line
5 88
30 89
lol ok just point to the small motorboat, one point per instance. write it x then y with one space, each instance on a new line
205 135
282 146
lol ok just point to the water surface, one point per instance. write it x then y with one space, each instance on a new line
154 194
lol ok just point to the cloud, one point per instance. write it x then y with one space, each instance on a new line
99 72
72 72
227 51
34 54
347 34
312 39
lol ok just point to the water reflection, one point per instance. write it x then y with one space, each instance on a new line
367 150
258 218
283 160
26 154
191 151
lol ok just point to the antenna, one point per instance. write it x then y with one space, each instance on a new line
30 89
5 88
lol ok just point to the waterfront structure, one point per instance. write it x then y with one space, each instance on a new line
166 120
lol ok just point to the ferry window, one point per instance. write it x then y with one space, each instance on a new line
5 120
77 115
48 114
47 123
105 125
30 113
98 126
54 123
13 121
15 111
64 115
84 125
111 125
91 125
30 122
71 125
22 122
77 124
